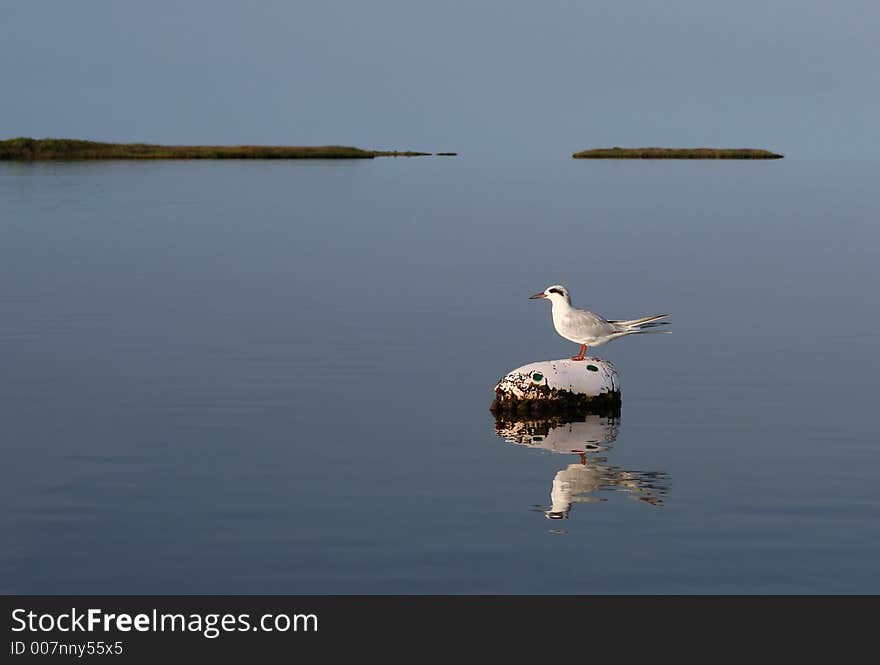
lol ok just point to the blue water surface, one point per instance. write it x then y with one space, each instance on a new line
274 377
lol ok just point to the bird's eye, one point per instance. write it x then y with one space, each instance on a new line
537 377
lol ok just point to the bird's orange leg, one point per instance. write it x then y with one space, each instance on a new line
580 356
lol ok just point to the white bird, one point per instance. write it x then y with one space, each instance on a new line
588 329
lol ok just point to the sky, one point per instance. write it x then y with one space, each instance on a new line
500 77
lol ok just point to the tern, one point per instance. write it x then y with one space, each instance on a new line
588 329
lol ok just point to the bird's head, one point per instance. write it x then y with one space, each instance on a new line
556 293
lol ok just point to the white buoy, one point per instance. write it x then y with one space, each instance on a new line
558 385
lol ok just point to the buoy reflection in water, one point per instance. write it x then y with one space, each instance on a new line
586 480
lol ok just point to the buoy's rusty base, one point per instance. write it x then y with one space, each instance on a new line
558 402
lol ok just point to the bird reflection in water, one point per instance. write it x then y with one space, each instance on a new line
583 481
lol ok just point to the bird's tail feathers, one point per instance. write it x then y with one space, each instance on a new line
644 325
654 324
639 323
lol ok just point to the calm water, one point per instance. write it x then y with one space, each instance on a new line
274 377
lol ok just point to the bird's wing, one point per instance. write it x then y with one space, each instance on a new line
582 319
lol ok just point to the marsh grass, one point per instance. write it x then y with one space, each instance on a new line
28 149
676 153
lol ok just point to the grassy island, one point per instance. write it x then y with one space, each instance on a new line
28 149
676 153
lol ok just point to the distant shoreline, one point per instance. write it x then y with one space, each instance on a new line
28 149
676 153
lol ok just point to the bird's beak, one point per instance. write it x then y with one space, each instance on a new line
537 295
